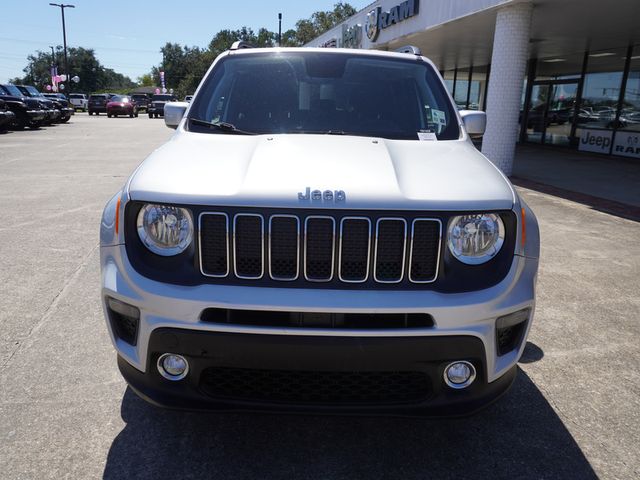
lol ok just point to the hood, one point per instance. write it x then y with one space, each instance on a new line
270 171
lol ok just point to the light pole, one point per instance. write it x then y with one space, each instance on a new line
64 36
279 29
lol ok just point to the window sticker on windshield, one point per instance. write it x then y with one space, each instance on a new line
439 117
427 135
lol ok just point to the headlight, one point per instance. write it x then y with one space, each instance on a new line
164 229
475 239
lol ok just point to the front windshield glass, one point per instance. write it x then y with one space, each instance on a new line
313 92
163 98
13 90
119 98
33 91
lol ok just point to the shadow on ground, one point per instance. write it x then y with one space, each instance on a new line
518 437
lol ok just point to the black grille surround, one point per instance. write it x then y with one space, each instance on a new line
204 263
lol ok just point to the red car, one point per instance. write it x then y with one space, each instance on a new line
122 105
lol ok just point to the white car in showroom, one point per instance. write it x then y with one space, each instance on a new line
320 234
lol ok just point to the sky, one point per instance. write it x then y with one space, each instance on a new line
127 34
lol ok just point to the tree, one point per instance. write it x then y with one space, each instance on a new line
146 80
82 62
320 22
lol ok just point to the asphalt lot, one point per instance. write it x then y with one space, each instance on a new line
65 412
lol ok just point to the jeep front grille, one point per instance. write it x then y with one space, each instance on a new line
319 248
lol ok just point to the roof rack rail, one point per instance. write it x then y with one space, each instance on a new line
241 44
409 49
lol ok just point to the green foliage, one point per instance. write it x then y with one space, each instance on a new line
82 62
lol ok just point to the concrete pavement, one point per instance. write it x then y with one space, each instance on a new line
65 412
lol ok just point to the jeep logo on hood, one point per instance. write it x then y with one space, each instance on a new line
319 195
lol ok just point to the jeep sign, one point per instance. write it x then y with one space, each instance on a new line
598 141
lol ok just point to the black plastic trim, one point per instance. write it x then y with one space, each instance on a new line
453 275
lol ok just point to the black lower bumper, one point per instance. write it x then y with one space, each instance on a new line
232 371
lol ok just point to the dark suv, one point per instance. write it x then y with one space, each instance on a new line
28 111
98 103
141 100
52 108
156 106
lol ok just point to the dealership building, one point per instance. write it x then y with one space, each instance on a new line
564 73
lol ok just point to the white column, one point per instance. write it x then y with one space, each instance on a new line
508 66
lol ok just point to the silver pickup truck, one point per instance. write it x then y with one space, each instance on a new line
320 234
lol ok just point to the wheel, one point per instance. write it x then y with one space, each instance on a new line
135 114
150 115
108 115
131 115
97 113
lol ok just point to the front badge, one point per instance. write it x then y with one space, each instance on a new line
335 196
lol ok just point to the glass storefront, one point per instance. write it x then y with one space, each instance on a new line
588 101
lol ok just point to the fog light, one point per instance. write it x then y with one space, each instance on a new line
459 374
172 366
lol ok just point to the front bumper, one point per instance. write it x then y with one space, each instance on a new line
234 371
464 330
156 110
36 116
6 118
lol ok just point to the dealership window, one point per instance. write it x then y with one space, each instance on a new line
602 83
467 86
630 112
626 140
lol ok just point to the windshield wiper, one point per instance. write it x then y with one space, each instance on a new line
224 126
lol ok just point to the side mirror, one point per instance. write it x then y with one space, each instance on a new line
475 122
173 113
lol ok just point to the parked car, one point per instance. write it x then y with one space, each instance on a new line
98 103
6 116
122 105
156 105
52 108
79 101
27 111
141 100
345 252
64 105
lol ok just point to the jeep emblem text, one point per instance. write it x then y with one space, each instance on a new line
319 195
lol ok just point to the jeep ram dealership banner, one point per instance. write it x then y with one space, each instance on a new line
627 144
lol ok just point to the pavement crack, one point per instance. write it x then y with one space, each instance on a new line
53 305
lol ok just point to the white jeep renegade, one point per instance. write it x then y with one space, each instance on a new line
319 234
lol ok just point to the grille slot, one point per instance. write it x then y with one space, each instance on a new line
390 250
214 244
355 249
425 250
315 387
319 248
248 236
284 241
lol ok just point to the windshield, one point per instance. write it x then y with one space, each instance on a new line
119 98
139 97
97 97
13 90
312 92
163 98
76 95
32 91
